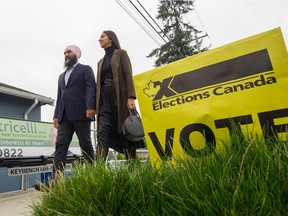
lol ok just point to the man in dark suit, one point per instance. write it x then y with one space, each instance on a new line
75 109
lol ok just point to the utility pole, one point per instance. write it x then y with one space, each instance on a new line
197 40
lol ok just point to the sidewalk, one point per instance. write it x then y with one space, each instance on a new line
17 203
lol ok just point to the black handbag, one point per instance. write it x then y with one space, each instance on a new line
132 126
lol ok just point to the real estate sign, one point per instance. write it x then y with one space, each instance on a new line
19 138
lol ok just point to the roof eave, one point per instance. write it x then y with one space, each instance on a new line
42 99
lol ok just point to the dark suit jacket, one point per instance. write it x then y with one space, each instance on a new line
78 95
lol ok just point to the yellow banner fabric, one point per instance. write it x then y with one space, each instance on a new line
192 104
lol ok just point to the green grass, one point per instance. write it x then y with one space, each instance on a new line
249 177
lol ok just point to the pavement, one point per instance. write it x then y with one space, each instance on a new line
17 203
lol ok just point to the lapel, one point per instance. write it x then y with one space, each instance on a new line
115 59
76 68
99 70
62 79
115 64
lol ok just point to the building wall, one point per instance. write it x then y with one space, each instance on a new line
14 183
15 107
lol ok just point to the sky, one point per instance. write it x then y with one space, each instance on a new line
34 34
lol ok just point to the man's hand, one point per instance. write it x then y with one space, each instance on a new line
90 113
55 123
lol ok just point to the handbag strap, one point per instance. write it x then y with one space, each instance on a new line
134 112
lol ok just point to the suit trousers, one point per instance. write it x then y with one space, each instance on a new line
65 133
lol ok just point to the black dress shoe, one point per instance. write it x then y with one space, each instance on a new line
41 187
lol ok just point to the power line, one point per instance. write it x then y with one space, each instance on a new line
153 21
196 37
146 22
151 26
202 25
135 19
151 29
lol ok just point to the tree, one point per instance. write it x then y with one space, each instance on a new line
177 34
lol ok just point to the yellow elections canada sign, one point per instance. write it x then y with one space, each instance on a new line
191 104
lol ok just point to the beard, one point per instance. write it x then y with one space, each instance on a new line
70 61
